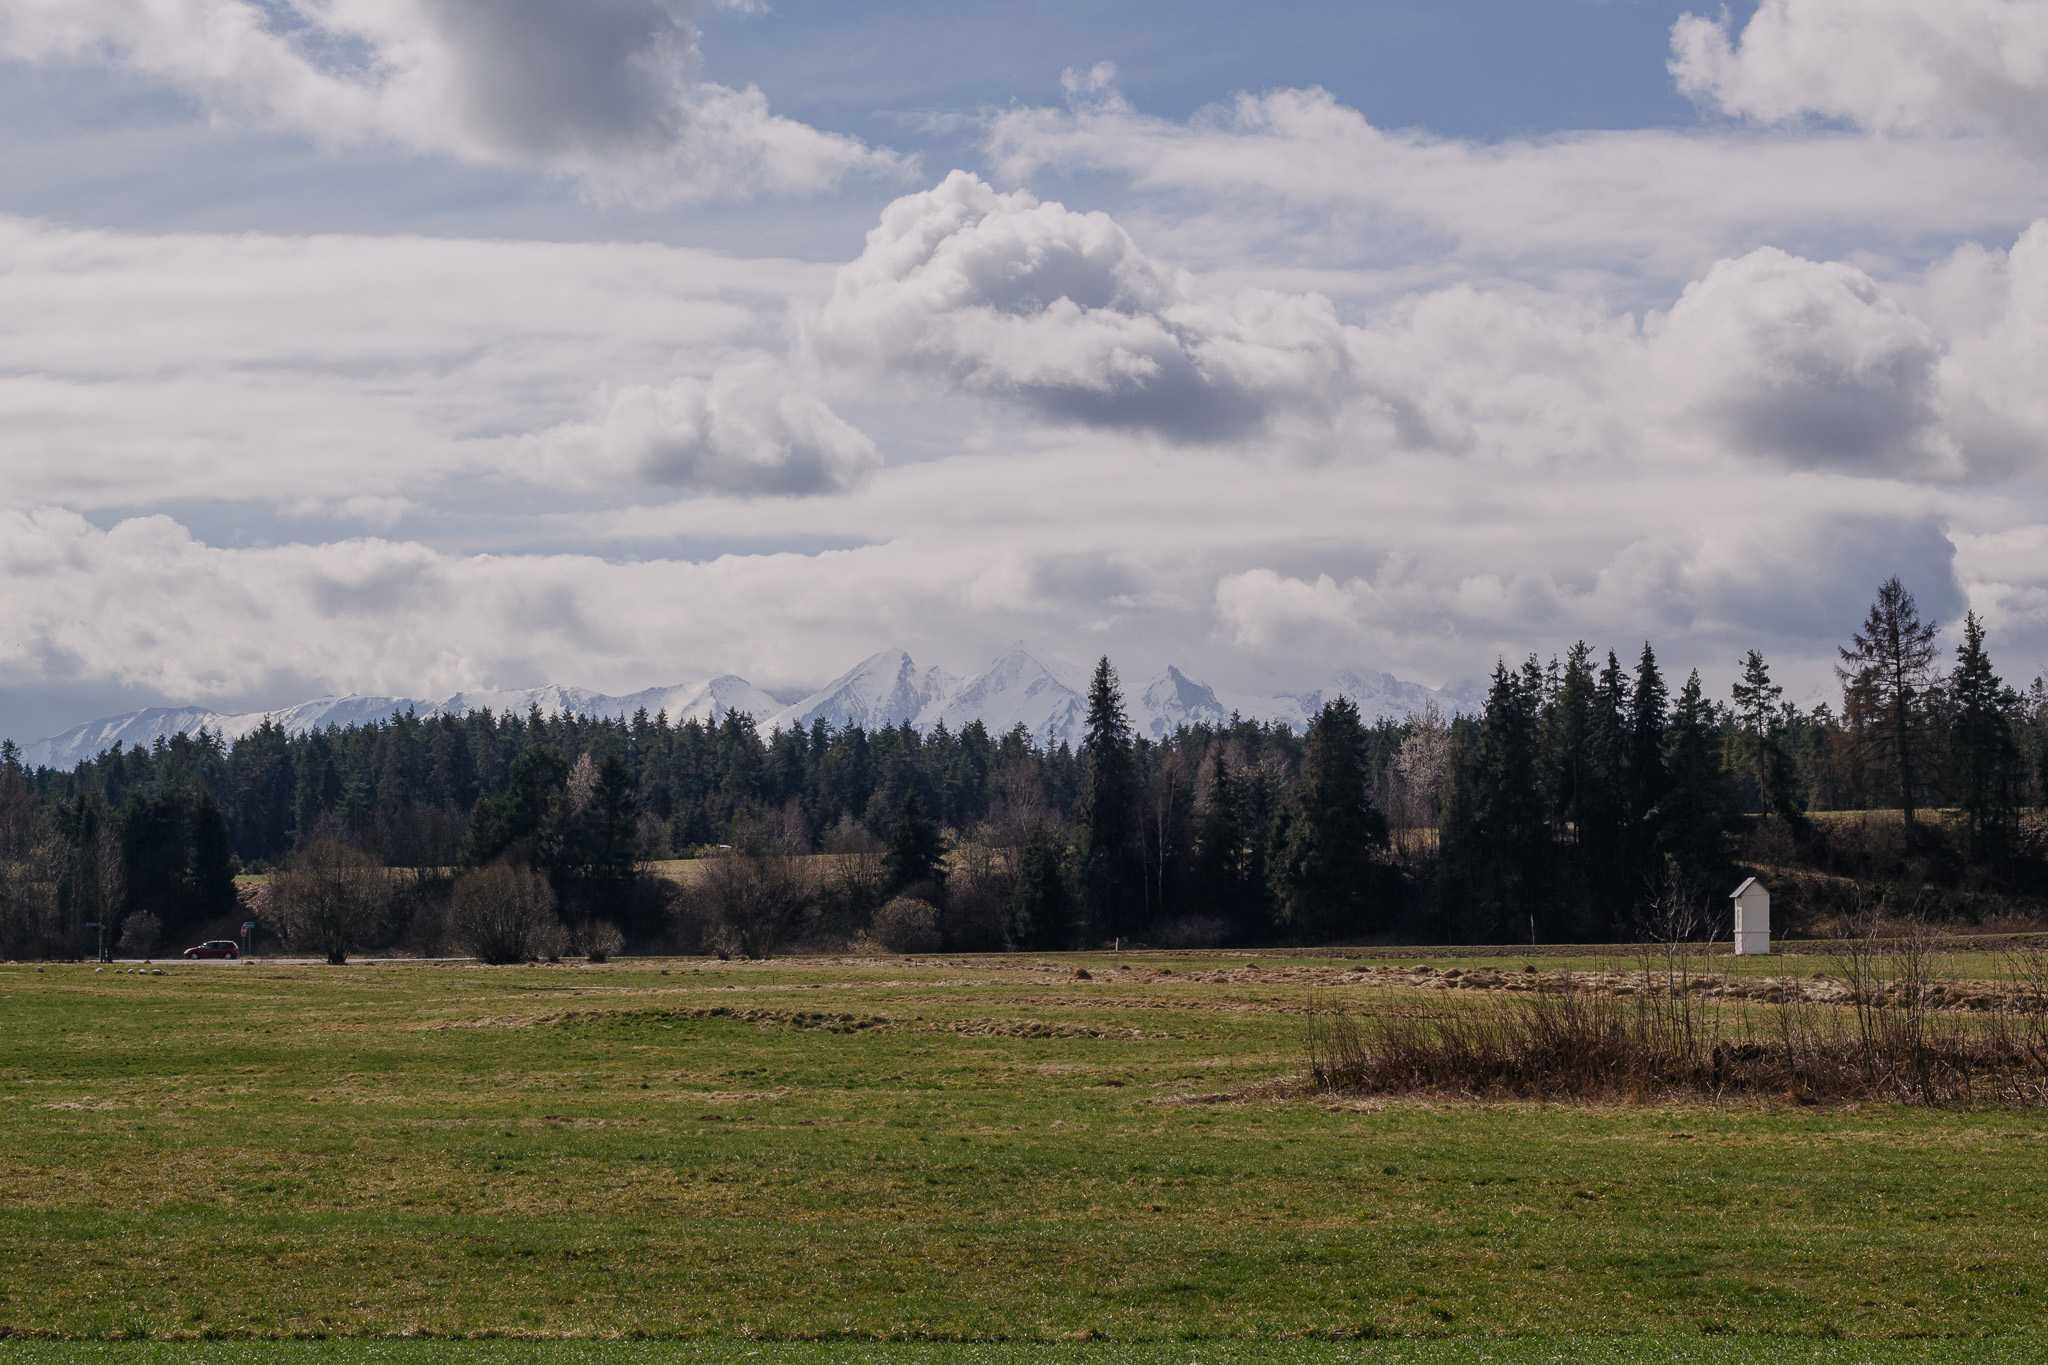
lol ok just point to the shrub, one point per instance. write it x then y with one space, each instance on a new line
141 932
330 899
31 921
977 914
1894 1042
601 940
504 914
907 926
753 899
1195 931
425 932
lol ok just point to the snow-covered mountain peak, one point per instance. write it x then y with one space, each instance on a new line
1015 689
880 691
886 689
1172 700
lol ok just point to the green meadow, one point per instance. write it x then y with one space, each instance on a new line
945 1159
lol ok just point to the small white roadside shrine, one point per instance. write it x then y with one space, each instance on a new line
1752 918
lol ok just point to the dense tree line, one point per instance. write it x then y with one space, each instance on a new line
1586 796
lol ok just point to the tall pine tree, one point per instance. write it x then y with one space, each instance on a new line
1987 759
1327 873
1110 867
1888 660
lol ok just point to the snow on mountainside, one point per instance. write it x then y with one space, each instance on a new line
703 701
883 690
1173 700
144 728
1379 696
1015 690
887 689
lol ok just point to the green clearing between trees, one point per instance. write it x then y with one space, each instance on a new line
940 1159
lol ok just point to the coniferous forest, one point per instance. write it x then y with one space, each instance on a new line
1592 799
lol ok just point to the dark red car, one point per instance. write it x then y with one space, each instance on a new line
215 947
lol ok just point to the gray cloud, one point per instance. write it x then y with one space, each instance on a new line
551 80
606 92
750 429
1809 364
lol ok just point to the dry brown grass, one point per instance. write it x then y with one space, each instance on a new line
1883 1028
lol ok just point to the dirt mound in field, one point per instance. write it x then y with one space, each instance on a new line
822 1020
1038 1028
803 1019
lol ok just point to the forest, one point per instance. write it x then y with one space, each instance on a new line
1590 800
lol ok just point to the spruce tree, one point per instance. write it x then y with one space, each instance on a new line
1326 871
1497 843
1756 716
1987 758
1222 849
210 867
1109 869
1647 702
1695 816
1570 745
915 857
1889 660
1604 811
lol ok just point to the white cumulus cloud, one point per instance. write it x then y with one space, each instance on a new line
1807 363
1293 174
749 429
1892 66
609 93
1016 298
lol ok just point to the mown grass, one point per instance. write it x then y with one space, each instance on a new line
1513 1351
1510 1351
945 1159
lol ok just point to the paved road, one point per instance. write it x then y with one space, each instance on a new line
263 960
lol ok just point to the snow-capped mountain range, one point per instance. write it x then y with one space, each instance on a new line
887 689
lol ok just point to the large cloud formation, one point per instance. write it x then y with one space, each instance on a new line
748 430
1308 393
1767 355
607 92
1771 576
1297 174
1019 299
358 375
1808 363
1892 66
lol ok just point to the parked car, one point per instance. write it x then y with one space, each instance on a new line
215 947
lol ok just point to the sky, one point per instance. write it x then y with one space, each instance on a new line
413 346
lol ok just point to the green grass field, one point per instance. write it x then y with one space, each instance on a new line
951 1159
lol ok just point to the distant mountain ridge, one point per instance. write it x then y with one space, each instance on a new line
886 689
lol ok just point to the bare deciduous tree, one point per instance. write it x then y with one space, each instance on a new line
330 900
1424 768
505 914
755 896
